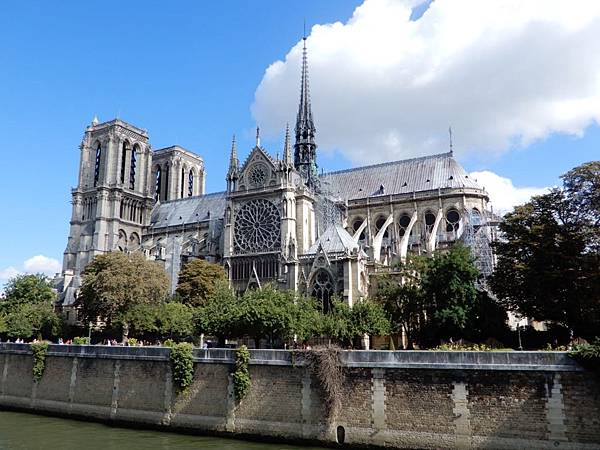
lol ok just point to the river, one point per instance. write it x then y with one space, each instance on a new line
21 431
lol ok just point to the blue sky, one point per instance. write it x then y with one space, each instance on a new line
187 72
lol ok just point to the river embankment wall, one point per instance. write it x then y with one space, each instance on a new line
404 399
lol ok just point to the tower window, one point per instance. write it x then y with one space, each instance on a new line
182 182
132 168
97 166
158 183
166 192
123 161
191 183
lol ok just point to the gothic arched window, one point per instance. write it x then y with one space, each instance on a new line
322 288
429 221
132 167
356 225
452 220
124 160
182 182
191 183
379 223
403 224
158 183
166 190
97 165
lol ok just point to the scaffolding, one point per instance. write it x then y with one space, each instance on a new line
479 233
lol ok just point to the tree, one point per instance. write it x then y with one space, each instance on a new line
175 320
27 309
219 316
549 256
369 318
114 283
27 289
449 291
198 280
402 297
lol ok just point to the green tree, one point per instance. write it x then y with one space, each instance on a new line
27 320
219 316
175 320
402 297
114 283
549 256
27 289
27 309
369 318
198 280
449 291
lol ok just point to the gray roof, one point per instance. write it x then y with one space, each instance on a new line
400 177
188 210
335 239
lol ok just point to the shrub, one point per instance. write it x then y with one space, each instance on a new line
81 340
588 354
241 375
182 365
39 351
169 343
132 342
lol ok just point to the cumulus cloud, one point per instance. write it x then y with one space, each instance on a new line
504 195
503 73
35 264
42 264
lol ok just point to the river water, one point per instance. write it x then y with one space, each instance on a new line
20 431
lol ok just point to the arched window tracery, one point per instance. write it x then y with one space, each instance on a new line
124 151
452 220
132 167
191 183
379 223
97 164
158 183
356 225
429 221
323 288
403 224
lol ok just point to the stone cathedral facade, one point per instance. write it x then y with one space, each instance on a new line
279 221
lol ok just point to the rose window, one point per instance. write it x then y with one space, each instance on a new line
257 227
258 175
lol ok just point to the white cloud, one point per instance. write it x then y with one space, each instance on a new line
35 264
501 72
504 195
42 264
9 272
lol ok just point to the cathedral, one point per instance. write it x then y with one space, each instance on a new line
279 221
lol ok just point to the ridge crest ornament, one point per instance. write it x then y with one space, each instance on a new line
257 227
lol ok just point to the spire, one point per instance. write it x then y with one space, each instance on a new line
305 148
95 120
233 159
287 147
450 133
258 136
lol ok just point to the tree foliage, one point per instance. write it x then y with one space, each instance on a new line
115 284
30 289
27 309
198 280
549 256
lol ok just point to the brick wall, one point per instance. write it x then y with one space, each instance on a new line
389 399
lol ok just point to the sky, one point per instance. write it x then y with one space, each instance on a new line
518 83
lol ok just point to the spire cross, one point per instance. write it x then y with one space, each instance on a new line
450 134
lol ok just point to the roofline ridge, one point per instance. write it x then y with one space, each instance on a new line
436 155
211 194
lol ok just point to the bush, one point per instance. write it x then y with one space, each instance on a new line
132 342
78 340
169 343
588 354
182 365
241 375
39 351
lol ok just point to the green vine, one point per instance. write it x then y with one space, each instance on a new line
241 375
39 350
182 365
588 355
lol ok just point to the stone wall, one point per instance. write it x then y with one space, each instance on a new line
406 399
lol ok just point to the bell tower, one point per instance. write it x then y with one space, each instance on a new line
113 198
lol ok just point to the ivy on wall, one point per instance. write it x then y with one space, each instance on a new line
241 375
182 365
39 351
